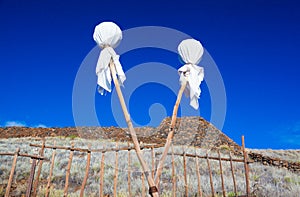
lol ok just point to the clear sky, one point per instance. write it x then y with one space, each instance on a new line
255 45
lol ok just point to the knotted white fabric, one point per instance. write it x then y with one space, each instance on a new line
108 36
191 52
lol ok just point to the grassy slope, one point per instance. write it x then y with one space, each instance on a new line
265 180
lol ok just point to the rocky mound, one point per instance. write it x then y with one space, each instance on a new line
190 131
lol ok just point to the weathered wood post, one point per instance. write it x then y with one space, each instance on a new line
221 172
31 178
232 173
129 172
246 167
36 182
68 170
102 173
210 176
12 171
198 174
153 161
87 168
51 171
173 174
116 171
186 188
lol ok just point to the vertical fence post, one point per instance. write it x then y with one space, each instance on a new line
36 182
87 168
246 167
31 177
173 174
143 185
12 171
153 161
116 172
221 172
129 172
198 174
232 173
102 173
210 176
143 176
51 171
185 175
68 171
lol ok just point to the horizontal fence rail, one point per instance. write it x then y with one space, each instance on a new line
205 157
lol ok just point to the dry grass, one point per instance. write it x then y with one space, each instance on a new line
265 181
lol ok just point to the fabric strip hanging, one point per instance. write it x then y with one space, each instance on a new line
191 52
108 36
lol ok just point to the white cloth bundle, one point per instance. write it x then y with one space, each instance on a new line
108 36
191 52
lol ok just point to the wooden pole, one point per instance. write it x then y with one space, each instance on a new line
232 173
221 172
68 172
116 173
198 174
185 176
31 178
152 187
173 173
51 172
87 168
170 134
129 172
36 182
12 171
246 167
210 176
102 174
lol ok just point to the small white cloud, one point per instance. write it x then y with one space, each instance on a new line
40 126
15 124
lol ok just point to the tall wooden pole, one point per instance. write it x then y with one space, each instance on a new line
152 187
170 134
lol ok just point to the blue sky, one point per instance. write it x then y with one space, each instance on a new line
255 45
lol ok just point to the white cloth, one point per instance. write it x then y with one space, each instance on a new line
108 36
191 52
